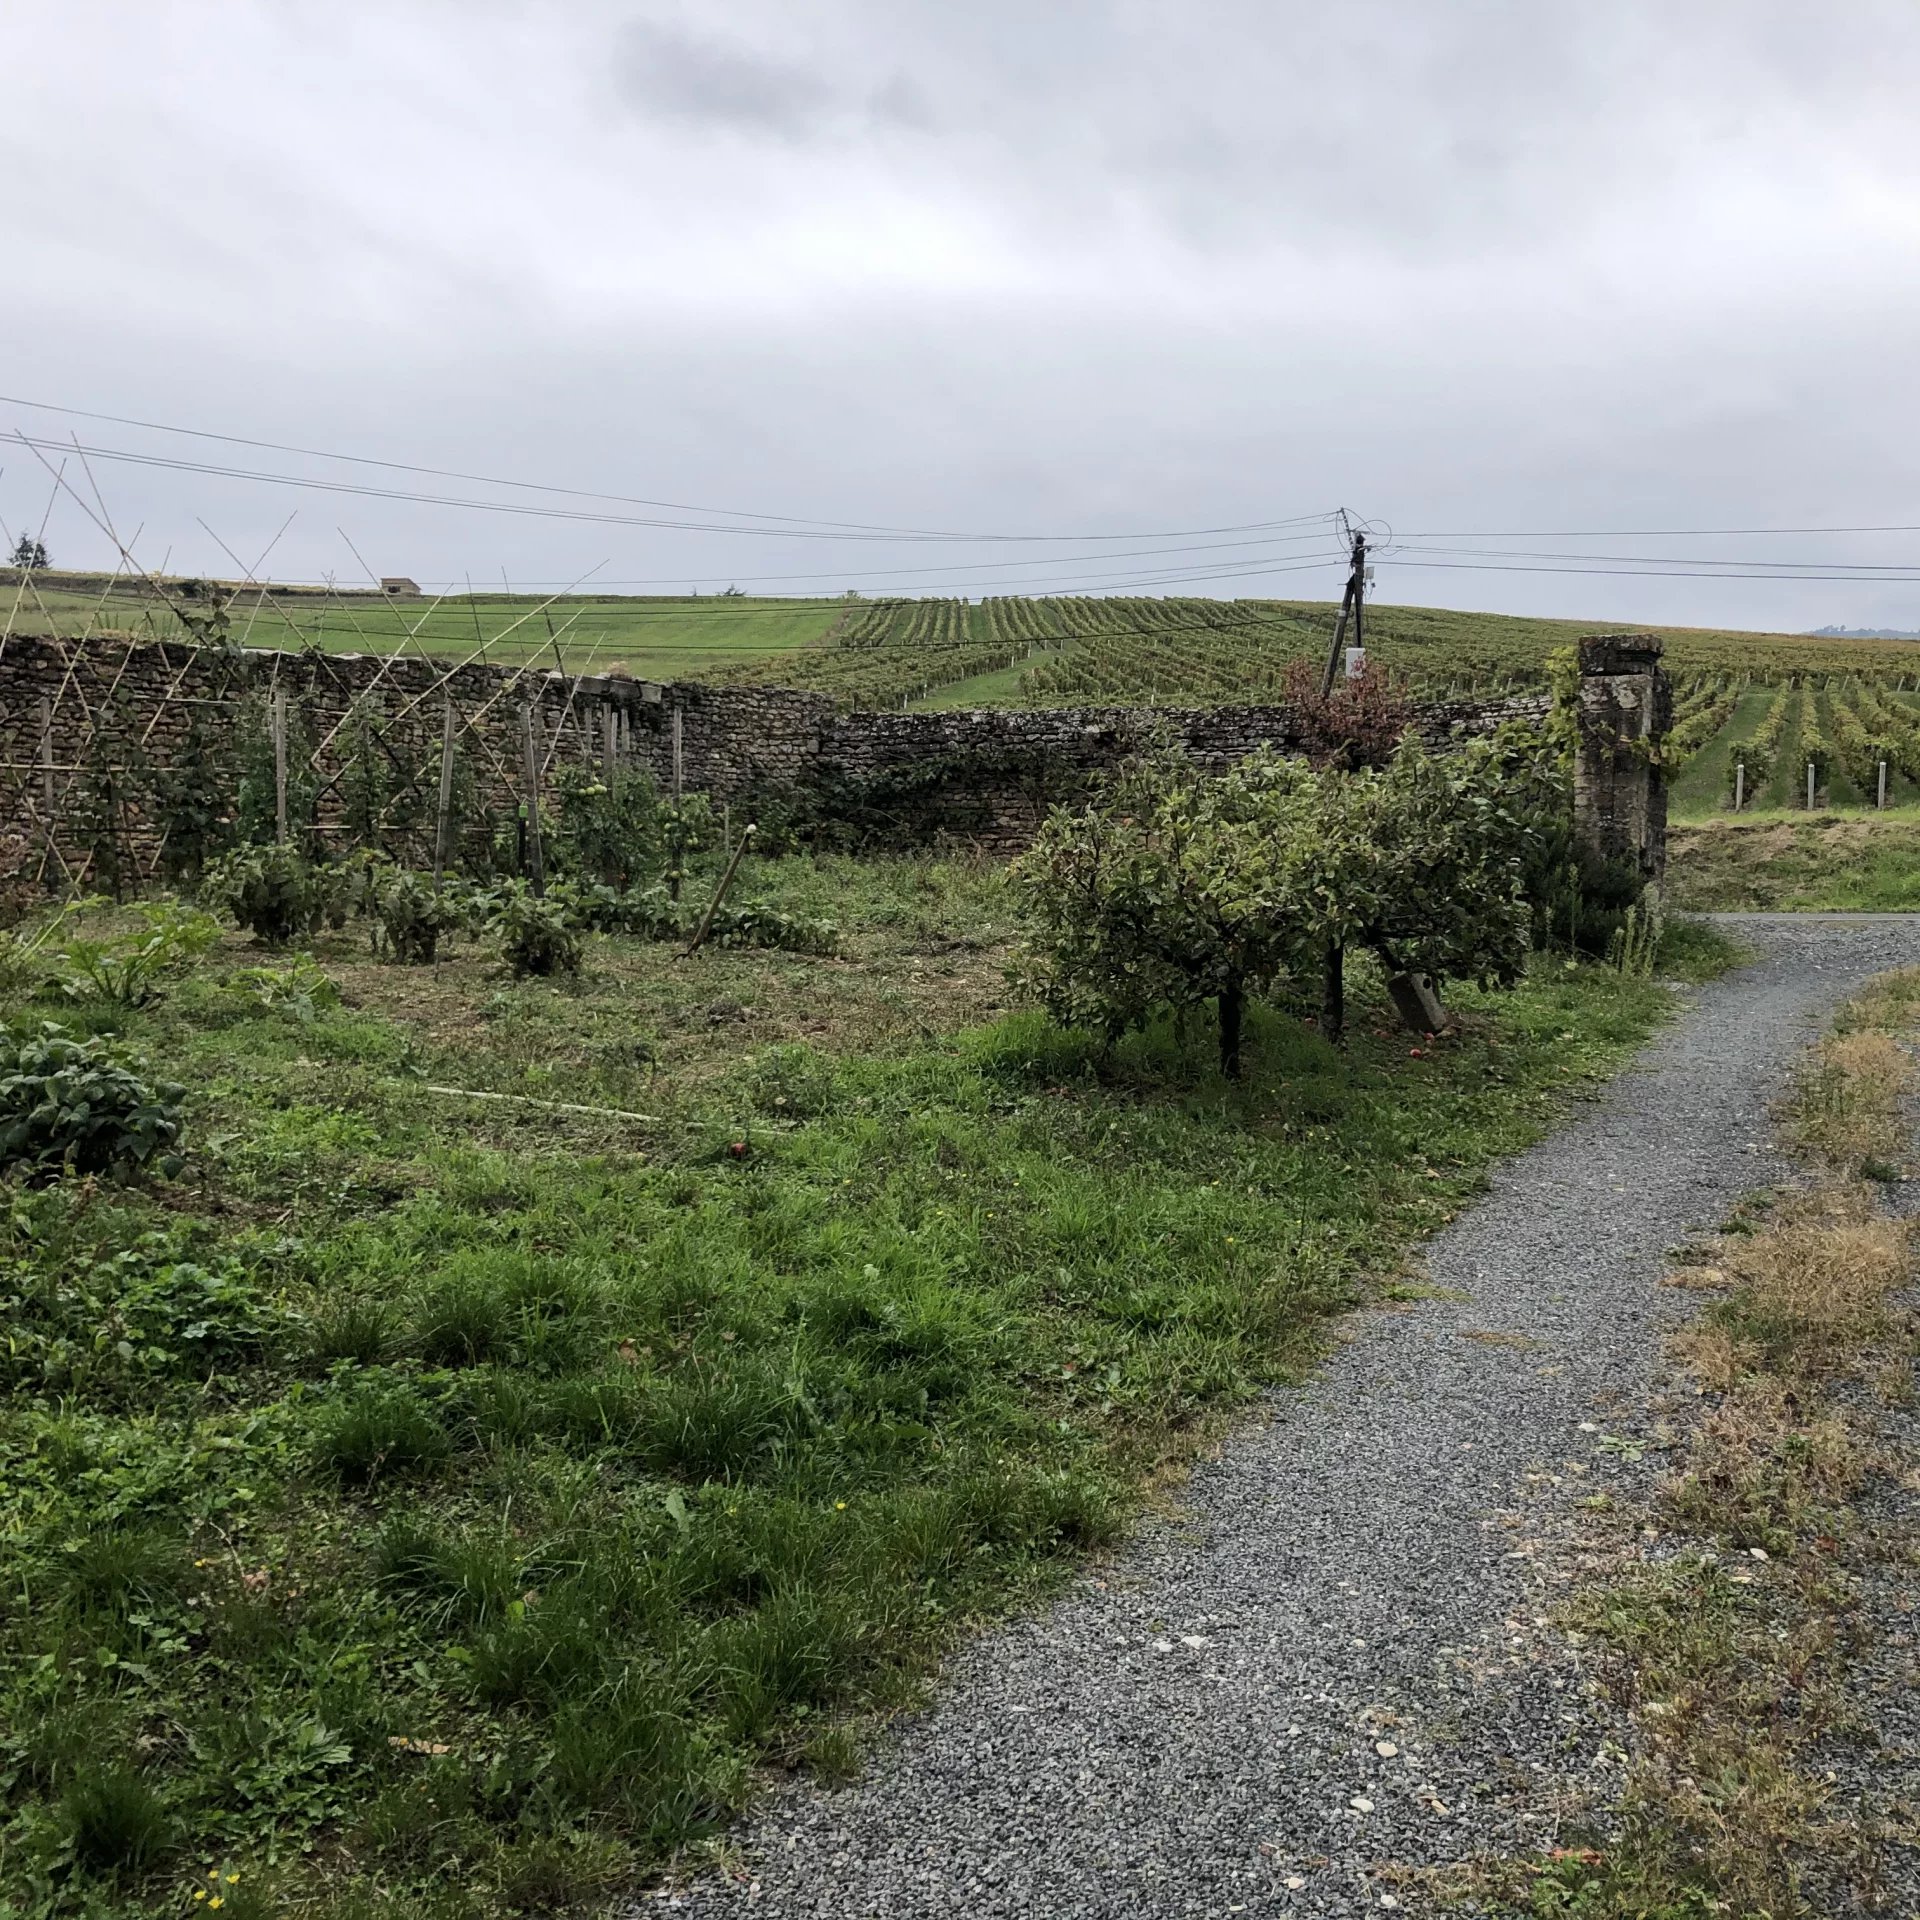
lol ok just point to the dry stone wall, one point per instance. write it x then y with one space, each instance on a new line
83 720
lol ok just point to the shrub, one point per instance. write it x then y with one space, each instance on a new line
1170 890
649 912
125 970
409 918
300 988
1437 882
755 924
537 937
609 831
26 951
272 891
1174 888
1359 723
82 1106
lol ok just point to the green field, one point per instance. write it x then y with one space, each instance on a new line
653 639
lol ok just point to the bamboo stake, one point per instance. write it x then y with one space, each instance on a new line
536 856
278 721
46 757
719 894
444 814
549 1106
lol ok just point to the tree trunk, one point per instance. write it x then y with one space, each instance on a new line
1232 1011
1333 993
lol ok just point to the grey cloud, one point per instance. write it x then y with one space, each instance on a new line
1094 264
671 73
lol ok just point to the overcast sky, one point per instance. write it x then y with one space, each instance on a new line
1468 267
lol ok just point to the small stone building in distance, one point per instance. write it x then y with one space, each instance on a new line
398 585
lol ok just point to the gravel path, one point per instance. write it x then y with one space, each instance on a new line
1281 1704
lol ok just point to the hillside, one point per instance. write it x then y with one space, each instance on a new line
1772 700
1007 650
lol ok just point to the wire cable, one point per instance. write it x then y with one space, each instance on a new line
1654 559
126 456
1657 533
778 521
1643 573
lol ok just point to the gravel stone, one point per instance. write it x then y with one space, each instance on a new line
1326 1675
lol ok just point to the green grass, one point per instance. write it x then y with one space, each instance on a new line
1001 688
1703 785
1831 860
653 639
448 1503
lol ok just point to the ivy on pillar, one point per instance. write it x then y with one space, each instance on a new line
1623 711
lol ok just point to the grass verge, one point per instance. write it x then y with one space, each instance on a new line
1729 1630
449 1505
1840 861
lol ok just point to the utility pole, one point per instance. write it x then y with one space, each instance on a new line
1351 605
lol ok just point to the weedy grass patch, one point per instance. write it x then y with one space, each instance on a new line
431 1504
1838 860
1730 1645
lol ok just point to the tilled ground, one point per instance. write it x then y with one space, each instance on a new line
1324 1681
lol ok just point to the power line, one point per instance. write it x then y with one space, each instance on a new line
1657 533
1657 560
799 525
1645 573
970 567
311 483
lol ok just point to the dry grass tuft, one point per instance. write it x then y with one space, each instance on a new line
1814 1294
1734 1665
1848 1105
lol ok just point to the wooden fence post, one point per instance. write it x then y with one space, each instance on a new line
679 763
443 815
606 741
536 856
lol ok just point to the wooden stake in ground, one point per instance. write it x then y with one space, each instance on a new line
679 762
606 742
277 711
1739 785
1881 803
443 814
719 894
46 759
1809 786
536 856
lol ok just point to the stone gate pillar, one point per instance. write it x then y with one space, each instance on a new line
1625 706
